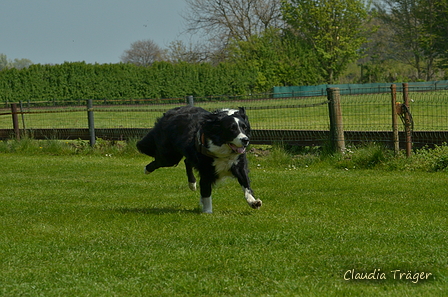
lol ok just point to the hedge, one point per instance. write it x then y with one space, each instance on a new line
78 80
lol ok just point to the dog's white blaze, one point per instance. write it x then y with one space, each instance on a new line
229 111
237 141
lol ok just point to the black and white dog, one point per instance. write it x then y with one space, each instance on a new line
212 143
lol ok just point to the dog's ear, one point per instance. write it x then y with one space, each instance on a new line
242 112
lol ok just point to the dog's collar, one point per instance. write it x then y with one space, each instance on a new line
200 145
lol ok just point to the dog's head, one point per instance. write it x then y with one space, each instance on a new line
227 131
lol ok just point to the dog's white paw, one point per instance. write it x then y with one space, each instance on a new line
206 204
256 204
192 186
146 171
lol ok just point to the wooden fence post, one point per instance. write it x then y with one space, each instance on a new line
407 120
190 100
91 122
15 120
396 138
336 126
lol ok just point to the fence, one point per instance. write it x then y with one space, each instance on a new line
299 120
353 89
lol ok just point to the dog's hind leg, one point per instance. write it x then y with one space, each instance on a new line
162 161
190 175
151 167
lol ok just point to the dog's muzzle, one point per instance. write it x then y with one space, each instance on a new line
240 149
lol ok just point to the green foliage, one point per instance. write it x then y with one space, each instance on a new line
66 148
278 59
78 80
6 63
434 19
419 32
425 159
333 28
364 157
290 157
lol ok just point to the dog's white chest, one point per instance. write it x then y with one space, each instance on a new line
223 165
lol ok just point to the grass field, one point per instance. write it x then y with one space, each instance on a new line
370 112
95 225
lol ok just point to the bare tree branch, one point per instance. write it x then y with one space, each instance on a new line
232 19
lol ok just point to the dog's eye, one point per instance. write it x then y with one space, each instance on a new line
244 127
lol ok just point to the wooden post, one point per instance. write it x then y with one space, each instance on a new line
336 126
15 120
395 139
407 120
91 122
190 100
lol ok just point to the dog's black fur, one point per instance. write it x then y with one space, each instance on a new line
212 143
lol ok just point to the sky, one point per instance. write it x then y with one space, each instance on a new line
94 31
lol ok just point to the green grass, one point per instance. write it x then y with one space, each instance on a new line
90 223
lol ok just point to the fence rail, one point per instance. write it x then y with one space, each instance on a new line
299 120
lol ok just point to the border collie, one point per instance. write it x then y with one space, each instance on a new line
212 143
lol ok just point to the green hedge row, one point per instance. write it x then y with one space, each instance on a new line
78 80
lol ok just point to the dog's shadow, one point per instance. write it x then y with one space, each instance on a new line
157 210
173 210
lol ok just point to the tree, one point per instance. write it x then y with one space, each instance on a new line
434 15
5 63
143 53
178 51
414 45
21 63
277 58
225 20
333 28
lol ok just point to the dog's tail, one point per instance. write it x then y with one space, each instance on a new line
147 145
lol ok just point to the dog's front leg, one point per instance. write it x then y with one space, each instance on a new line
249 195
240 171
206 195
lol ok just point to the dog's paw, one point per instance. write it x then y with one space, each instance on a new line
206 204
256 204
146 171
192 186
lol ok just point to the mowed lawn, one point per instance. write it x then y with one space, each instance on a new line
97 226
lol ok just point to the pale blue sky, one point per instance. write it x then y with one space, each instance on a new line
55 31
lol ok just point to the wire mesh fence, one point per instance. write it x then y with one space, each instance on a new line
370 113
264 112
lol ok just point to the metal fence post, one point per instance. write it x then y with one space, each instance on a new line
336 126
91 122
407 120
15 120
396 138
